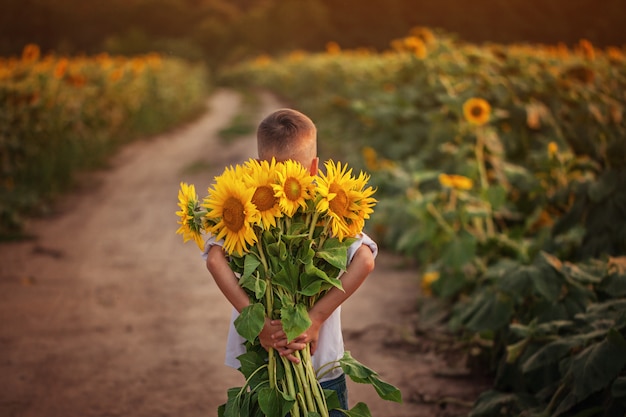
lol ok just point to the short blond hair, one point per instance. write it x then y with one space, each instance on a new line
287 134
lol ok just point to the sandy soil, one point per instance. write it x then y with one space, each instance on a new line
106 313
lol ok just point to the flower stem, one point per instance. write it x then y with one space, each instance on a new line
316 215
291 389
313 383
303 383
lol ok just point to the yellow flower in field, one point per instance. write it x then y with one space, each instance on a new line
116 75
154 60
297 55
60 69
427 281
333 48
190 227
231 211
458 182
261 176
30 53
262 60
416 46
476 111
423 33
371 158
138 65
294 188
553 148
586 49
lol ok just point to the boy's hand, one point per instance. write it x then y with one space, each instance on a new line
273 336
310 337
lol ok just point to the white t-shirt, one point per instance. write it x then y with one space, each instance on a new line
330 344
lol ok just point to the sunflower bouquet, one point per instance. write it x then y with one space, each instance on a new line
287 235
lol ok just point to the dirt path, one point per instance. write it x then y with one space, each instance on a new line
106 313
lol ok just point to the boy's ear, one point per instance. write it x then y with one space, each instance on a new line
314 165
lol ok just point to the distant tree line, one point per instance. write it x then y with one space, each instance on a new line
220 31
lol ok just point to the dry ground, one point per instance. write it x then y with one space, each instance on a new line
106 313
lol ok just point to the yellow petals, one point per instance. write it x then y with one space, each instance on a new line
476 111
553 148
294 187
458 182
230 206
190 226
427 280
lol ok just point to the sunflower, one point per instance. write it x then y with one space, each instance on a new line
365 203
261 175
477 111
231 211
190 227
458 182
427 281
343 199
294 187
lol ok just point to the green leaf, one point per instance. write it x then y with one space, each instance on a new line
492 403
359 410
250 322
254 284
250 362
251 263
232 406
488 310
295 320
549 355
385 390
496 196
615 285
580 275
274 402
594 369
332 399
335 252
547 281
449 284
460 250
362 374
314 280
618 389
354 369
297 228
518 281
287 277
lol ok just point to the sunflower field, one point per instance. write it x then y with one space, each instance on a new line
501 170
62 114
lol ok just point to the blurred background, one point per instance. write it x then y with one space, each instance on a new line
220 31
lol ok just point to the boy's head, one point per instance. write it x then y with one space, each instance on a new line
288 134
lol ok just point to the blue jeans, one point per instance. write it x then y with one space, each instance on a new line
338 385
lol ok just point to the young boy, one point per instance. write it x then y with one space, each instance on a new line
288 134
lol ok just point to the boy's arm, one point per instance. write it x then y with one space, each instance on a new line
360 267
224 277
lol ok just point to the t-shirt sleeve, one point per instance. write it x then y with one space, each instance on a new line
211 241
362 239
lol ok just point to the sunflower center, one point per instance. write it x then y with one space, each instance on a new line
263 198
476 111
339 205
293 189
233 215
